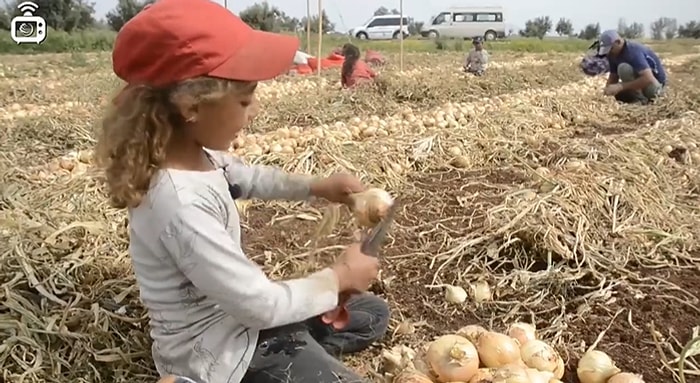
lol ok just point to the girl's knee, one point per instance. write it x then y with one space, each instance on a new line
375 307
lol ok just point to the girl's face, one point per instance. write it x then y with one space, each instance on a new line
218 123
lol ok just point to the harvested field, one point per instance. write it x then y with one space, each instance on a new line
580 214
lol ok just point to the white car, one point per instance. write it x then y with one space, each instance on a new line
384 27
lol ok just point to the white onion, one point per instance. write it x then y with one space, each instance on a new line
497 350
522 332
542 357
595 367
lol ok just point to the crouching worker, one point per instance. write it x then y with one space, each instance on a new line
354 70
477 60
636 72
215 317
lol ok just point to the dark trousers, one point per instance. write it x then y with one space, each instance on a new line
307 352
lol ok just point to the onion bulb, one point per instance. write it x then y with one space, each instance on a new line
522 332
483 375
455 294
411 376
370 206
626 377
595 367
537 376
472 332
511 374
452 358
542 357
497 350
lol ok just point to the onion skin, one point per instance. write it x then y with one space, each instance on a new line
483 375
452 358
472 332
511 374
371 206
522 332
497 350
626 377
595 367
542 357
411 376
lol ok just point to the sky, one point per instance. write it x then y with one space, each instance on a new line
348 14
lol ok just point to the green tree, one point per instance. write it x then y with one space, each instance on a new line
266 17
632 31
690 30
590 32
327 25
64 15
664 27
125 11
564 27
381 11
538 27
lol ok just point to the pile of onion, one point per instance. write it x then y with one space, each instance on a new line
477 355
371 206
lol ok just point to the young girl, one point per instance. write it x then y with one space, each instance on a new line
192 68
354 71
478 59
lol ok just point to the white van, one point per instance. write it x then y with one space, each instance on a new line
467 22
383 27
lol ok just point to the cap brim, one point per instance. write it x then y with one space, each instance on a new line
264 57
604 50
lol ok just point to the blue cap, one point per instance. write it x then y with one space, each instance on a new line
606 41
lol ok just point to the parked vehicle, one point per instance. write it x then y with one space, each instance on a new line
467 23
383 27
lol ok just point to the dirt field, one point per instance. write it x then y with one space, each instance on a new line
581 215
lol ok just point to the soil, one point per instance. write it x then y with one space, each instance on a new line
405 277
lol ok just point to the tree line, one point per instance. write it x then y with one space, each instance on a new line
662 28
72 15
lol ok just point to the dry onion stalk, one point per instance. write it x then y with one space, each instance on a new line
371 206
472 332
410 375
452 358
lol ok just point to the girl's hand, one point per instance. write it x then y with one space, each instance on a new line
356 271
337 188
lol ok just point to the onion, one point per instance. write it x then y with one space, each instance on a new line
481 291
522 332
541 356
483 375
537 376
497 350
452 358
626 377
595 367
455 294
371 206
411 376
472 332
511 374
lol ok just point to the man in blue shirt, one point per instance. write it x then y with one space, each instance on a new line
636 72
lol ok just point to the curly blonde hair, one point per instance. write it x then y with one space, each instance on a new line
137 128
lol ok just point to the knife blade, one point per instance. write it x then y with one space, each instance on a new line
375 239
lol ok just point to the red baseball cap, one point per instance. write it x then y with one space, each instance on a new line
175 40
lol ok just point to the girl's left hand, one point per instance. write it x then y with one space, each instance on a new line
337 188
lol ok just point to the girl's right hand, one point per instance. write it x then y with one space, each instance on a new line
356 271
